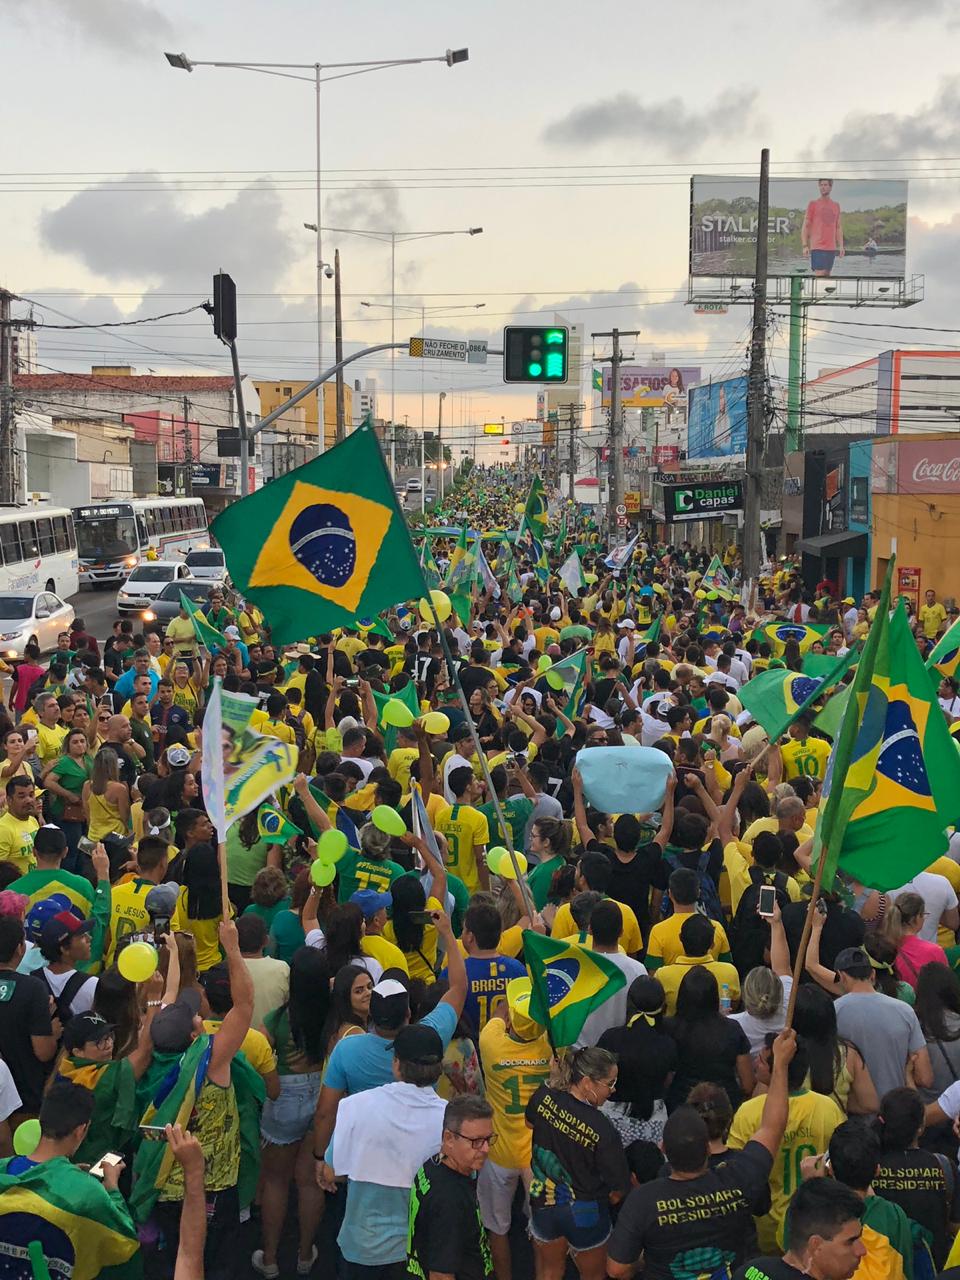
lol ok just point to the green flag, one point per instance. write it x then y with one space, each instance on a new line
944 659
829 720
569 677
463 566
597 380
408 696
567 983
428 566
323 544
776 697
652 632
533 530
208 636
894 774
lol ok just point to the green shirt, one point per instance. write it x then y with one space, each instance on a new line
517 811
357 872
267 914
37 885
286 935
243 863
539 879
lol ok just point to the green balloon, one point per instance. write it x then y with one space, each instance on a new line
26 1139
388 820
545 663
322 873
331 846
555 679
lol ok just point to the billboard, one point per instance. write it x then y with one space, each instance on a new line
717 419
848 227
644 386
701 501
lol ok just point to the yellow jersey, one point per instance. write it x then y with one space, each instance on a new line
631 939
805 758
16 841
666 948
512 1071
467 834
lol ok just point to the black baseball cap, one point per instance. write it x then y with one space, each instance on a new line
172 1028
84 1028
854 962
418 1044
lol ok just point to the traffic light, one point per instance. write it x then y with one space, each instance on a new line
224 308
534 354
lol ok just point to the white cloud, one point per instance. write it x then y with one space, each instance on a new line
669 125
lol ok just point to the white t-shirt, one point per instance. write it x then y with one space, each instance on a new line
9 1098
315 938
365 766
756 1029
653 729
82 1002
938 896
456 761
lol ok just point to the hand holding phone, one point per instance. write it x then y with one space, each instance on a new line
767 902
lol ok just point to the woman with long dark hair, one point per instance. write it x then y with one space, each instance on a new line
938 1012
647 1057
349 1005
199 904
709 1046
920 1182
298 1033
343 935
417 941
837 1068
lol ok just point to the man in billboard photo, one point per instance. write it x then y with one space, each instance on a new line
821 236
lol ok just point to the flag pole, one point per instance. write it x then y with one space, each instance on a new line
805 938
484 767
224 895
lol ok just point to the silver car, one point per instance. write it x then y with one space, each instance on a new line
36 618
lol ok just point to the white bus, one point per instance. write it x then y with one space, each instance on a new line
113 537
38 550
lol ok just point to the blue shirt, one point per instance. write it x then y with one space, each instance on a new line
124 686
366 1062
375 1226
486 983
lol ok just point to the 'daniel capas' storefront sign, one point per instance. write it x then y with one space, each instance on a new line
701 501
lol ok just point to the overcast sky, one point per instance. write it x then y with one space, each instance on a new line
569 136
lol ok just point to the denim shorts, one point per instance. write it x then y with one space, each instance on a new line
584 1224
288 1118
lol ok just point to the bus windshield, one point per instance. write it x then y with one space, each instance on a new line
107 538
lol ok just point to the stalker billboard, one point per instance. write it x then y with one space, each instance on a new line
644 386
841 227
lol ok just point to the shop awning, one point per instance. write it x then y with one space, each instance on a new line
847 542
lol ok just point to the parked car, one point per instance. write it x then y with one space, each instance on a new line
209 564
147 581
167 603
38 617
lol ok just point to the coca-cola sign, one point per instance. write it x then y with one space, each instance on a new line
928 466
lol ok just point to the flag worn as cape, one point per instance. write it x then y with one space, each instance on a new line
893 779
322 544
115 1115
945 656
776 634
568 982
82 1229
208 635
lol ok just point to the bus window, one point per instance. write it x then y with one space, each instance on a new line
10 543
153 527
142 532
61 533
45 536
179 515
28 539
71 533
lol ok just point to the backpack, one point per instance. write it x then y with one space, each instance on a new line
750 933
64 1000
296 724
708 902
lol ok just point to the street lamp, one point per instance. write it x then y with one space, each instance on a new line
288 71
392 237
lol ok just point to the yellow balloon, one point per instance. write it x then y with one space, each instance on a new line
589 579
545 663
388 820
138 961
436 722
507 871
494 858
441 602
397 713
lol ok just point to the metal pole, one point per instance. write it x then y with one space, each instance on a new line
423 470
423 413
443 396
321 416
795 366
8 483
244 438
393 332
756 390
187 447
338 331
616 441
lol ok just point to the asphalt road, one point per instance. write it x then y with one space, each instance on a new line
98 609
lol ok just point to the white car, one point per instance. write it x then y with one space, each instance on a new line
414 485
147 581
209 564
38 619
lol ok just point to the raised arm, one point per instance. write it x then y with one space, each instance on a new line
579 809
773 1121
236 1024
314 812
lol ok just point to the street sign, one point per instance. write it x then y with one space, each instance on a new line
621 509
621 522
476 351
438 349
493 428
710 309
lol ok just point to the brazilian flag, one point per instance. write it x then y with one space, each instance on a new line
533 530
208 635
776 634
567 983
776 697
945 658
463 565
893 778
428 566
323 544
273 827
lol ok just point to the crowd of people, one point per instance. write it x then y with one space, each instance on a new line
355 1068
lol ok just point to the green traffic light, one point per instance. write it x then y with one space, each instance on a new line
554 337
534 370
554 364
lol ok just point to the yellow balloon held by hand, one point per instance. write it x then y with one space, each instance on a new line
397 713
436 722
507 871
138 962
26 1139
555 679
331 846
544 664
322 873
388 820
441 602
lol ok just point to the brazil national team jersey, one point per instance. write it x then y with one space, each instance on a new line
466 832
805 757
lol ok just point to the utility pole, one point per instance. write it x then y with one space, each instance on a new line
756 391
187 448
338 330
442 397
793 439
615 487
8 484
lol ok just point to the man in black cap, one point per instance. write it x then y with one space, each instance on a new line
886 1031
382 1137
65 944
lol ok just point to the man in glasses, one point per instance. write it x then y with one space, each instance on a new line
446 1234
